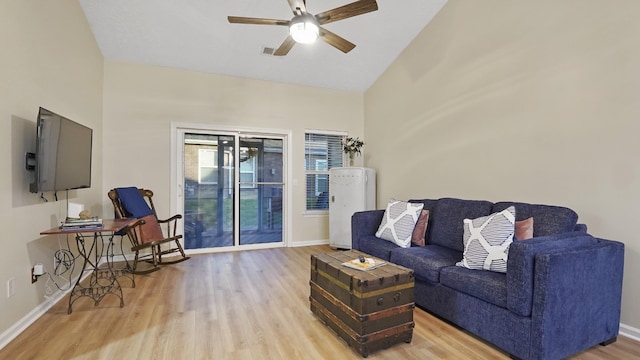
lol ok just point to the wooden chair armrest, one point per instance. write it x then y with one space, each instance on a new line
173 218
172 224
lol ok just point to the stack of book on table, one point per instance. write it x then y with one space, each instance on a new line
81 224
363 263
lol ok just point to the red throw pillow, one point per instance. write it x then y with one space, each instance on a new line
524 229
419 231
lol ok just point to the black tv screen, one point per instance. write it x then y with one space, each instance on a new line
63 154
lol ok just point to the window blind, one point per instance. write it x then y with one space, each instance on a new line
322 152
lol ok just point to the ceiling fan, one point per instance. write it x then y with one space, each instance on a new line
305 27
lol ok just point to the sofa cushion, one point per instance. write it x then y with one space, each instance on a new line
547 219
487 239
426 261
398 222
446 225
429 204
377 247
485 285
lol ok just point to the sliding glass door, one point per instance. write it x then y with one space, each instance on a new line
233 188
261 185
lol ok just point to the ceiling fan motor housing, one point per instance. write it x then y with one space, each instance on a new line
304 28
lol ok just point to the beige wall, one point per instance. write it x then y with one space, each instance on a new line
48 58
535 101
529 101
141 102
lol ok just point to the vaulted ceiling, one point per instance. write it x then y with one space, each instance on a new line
195 35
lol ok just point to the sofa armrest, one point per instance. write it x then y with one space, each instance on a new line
577 299
364 223
522 260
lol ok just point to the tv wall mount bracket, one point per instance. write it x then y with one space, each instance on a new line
30 161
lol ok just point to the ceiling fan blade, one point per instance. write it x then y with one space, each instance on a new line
336 41
298 7
256 21
347 11
287 44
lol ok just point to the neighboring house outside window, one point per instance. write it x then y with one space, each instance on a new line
248 173
207 166
322 151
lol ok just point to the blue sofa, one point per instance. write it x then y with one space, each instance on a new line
561 293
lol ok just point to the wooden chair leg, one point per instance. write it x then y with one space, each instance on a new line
135 269
158 256
181 249
135 262
154 256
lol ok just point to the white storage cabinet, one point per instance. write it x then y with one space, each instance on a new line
351 189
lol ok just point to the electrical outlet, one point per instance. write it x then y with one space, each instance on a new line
38 269
11 287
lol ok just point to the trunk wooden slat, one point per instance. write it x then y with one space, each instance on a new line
371 310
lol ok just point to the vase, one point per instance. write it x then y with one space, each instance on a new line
351 157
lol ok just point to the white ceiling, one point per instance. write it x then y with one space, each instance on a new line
195 35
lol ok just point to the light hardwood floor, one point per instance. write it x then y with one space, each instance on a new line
239 305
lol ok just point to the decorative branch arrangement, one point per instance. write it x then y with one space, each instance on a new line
352 145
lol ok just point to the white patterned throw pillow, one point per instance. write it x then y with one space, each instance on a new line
399 219
487 239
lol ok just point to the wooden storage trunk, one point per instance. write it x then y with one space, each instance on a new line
370 310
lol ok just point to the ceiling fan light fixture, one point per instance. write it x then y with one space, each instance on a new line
304 29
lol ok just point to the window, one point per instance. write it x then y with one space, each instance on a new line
322 151
207 166
248 173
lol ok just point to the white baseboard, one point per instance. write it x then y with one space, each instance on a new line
630 332
17 328
22 324
309 243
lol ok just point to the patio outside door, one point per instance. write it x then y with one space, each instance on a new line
261 185
233 190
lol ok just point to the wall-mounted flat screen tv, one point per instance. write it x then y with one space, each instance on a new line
63 154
